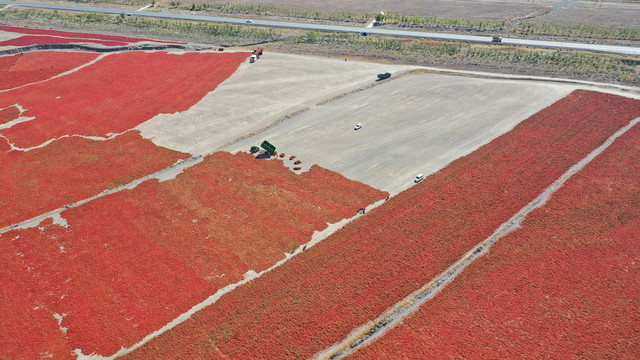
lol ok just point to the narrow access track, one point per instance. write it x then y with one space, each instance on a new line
622 50
369 332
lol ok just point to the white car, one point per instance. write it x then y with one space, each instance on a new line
249 21
357 127
418 178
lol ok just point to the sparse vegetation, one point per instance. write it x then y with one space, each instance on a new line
139 25
516 28
569 63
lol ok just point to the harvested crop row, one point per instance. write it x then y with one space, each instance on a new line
128 263
27 68
22 30
72 169
566 284
133 88
37 40
353 276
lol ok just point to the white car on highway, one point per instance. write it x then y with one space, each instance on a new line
357 127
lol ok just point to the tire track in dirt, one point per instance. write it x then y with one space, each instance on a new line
376 328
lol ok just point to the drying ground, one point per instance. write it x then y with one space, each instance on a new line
308 106
199 256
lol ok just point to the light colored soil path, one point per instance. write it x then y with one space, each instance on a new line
373 330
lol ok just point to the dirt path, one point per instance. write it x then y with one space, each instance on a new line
375 329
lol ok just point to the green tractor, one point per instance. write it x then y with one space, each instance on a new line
254 149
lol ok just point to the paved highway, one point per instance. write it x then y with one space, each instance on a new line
624 50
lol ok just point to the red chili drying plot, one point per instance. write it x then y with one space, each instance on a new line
353 276
130 262
133 87
37 39
72 169
4 145
29 330
8 114
565 285
28 68
21 30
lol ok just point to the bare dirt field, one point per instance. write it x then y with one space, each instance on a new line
595 13
415 124
567 11
4 36
256 96
412 124
477 10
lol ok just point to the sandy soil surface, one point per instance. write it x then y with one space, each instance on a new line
4 36
412 124
256 96
415 124
595 13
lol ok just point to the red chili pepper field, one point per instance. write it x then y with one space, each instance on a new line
21 69
134 87
353 276
565 285
128 263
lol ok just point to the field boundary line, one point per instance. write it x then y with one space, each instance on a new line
392 317
100 57
161 175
